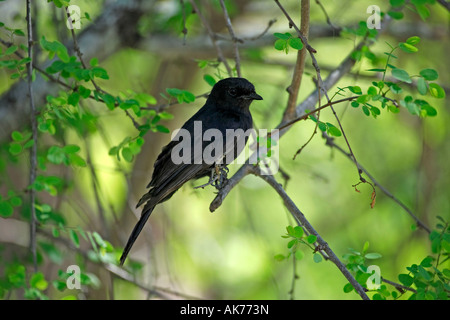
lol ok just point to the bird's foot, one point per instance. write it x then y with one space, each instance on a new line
218 177
221 176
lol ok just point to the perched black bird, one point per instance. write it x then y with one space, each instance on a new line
227 107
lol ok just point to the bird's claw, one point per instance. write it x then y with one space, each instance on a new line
218 177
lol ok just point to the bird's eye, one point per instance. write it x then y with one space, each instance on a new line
232 92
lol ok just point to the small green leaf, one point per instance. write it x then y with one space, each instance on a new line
279 257
335 132
93 62
127 154
355 89
405 279
15 148
436 90
397 15
372 255
413 40
429 74
38 281
299 254
6 209
74 237
162 129
311 238
17 136
280 44
401 75
348 288
422 86
396 3
296 43
408 47
10 50
317 257
284 36
298 232
73 99
209 80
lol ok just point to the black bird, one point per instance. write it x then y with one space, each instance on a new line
227 107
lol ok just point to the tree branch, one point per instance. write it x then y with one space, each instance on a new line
299 64
33 151
301 219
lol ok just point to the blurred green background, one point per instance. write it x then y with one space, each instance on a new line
229 254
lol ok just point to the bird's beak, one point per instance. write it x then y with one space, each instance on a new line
253 96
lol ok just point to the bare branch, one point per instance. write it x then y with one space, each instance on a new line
233 38
213 38
33 151
301 219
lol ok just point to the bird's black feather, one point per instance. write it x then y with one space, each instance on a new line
227 107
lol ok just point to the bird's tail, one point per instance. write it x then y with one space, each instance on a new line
146 212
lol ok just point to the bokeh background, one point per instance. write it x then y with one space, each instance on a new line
186 251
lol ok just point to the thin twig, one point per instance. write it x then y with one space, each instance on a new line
213 38
298 215
234 39
33 152
294 88
330 142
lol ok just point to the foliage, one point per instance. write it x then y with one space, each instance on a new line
73 115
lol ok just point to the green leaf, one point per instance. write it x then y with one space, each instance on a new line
73 99
38 281
127 154
93 62
332 130
15 148
284 36
279 257
100 73
71 148
317 257
397 3
298 232
429 74
366 110
408 47
74 237
413 40
17 136
162 129
348 288
436 90
355 89
296 43
423 11
311 238
422 86
280 44
405 279
56 155
6 209
372 255
397 15
401 75
109 100
76 160
10 50
209 80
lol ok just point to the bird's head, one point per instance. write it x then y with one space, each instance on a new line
231 92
